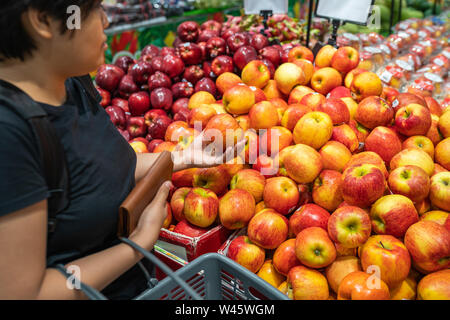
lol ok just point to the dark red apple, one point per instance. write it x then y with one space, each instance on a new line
136 127
272 54
127 87
125 134
269 65
188 31
150 50
188 229
177 42
157 63
202 46
124 63
141 71
193 74
172 65
158 127
153 143
117 116
206 84
226 33
179 104
215 47
182 115
205 35
152 114
208 70
211 25
166 51
190 53
237 40
259 41
108 77
161 98
182 89
139 103
159 80
106 97
244 55
222 64
122 103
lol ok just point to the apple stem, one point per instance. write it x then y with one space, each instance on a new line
382 244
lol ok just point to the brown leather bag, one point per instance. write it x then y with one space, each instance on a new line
143 193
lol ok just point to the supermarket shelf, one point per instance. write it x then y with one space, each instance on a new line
163 20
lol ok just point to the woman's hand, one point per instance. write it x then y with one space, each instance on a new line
152 219
202 153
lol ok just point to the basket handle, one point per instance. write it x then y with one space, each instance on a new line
164 268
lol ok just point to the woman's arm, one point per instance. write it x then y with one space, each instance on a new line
23 271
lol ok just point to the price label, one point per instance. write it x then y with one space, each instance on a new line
439 62
386 49
433 77
386 76
395 103
256 6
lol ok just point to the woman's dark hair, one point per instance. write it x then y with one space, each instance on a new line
15 42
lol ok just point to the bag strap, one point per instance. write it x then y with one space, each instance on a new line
49 145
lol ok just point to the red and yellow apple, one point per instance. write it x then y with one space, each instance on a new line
246 253
284 258
335 155
236 208
307 216
313 129
250 180
281 194
440 190
411 181
314 248
327 190
268 229
201 207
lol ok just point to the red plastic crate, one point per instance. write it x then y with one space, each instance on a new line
190 247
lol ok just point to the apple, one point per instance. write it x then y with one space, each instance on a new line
300 52
136 127
263 115
157 128
255 73
139 146
326 79
159 80
308 215
258 41
297 94
384 142
440 190
193 74
361 132
324 56
265 165
314 248
438 168
177 202
268 273
346 135
393 215
238 100
413 120
108 77
175 129
156 63
368 157
201 114
444 123
307 67
335 156
222 64
184 178
410 181
226 81
237 40
406 290
434 286
139 103
287 76
161 98
225 128
124 63
303 163
201 207
359 285
117 116
211 25
363 185
413 156
199 98
272 54
172 65
275 139
442 153
345 59
165 146
405 98
215 179
339 269
340 92
188 31
437 216
434 107
429 245
420 142
373 112
292 114
366 84
284 258
127 87
243 251
307 284
153 144
313 129
106 97
190 53
327 191
313 100
349 77
250 180
216 46
236 208
349 226
244 55
181 89
281 194
268 229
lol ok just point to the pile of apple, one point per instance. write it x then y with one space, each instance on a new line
362 186
143 97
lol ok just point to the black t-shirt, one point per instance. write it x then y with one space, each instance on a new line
101 173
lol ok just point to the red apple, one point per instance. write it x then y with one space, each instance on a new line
172 65
314 248
384 142
359 285
244 55
188 229
281 194
215 179
117 116
306 284
410 181
222 64
336 109
284 258
193 74
246 253
201 207
161 98
413 120
268 229
177 202
237 40
188 31
141 71
136 127
159 80
236 208
108 77
327 190
308 215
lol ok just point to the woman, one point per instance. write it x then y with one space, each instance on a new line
40 56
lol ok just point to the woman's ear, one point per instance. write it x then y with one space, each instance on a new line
39 23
